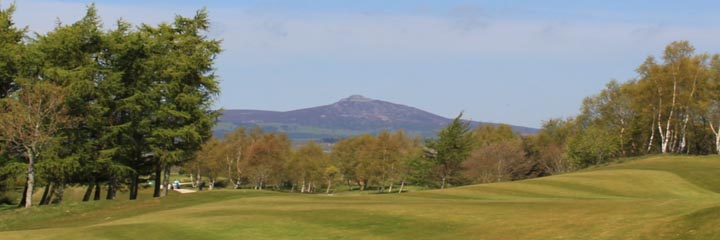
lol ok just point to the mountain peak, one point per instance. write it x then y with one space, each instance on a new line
356 98
350 116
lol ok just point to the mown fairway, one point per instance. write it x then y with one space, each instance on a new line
653 198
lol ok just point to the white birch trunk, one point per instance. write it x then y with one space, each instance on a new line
30 180
402 185
30 151
192 180
652 136
198 179
329 186
686 119
717 137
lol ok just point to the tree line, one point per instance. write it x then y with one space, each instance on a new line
81 105
386 162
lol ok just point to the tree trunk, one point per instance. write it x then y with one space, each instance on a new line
51 192
402 185
211 184
158 172
390 188
166 180
97 192
30 179
686 119
717 137
717 143
622 138
134 186
442 185
111 189
44 195
198 180
192 180
667 135
59 192
652 136
88 192
24 196
329 186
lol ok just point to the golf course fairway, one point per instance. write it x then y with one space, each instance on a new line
656 197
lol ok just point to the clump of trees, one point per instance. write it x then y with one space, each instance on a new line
386 162
491 153
259 160
82 105
670 108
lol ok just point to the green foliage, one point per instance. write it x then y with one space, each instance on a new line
308 165
450 149
11 49
593 146
142 96
491 134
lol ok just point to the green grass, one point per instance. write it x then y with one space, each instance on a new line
652 198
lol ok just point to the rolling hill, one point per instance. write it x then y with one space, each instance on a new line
657 197
350 116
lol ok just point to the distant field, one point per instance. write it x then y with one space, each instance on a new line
652 198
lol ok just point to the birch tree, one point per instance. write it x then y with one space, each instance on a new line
29 120
234 146
671 89
713 103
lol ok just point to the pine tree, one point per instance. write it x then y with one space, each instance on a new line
450 149
180 65
11 46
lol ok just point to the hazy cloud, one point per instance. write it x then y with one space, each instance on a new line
647 31
469 17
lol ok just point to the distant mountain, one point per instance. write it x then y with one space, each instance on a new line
350 116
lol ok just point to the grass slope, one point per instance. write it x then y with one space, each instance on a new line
653 198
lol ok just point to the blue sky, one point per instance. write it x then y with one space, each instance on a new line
519 62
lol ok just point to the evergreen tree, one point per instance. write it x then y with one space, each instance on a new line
180 66
11 47
450 149
70 56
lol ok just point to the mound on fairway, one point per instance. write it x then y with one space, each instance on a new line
652 198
